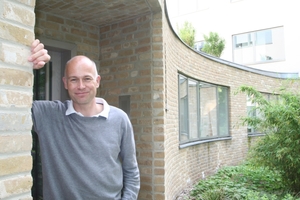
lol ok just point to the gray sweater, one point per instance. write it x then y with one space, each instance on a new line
86 157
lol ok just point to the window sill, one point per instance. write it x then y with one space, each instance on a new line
255 134
193 143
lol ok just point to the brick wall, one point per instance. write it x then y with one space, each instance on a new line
16 24
131 64
184 167
84 36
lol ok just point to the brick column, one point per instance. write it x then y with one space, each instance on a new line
16 80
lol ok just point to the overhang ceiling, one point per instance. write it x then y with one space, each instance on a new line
98 12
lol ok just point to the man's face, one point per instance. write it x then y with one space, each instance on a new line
81 81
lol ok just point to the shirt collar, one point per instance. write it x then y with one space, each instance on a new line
104 113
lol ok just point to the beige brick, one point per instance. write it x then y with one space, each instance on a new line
145 162
121 76
15 77
158 171
72 38
15 164
126 23
93 43
159 180
104 29
16 34
15 143
79 32
146 179
122 61
143 80
73 23
16 12
15 121
144 146
55 19
126 52
159 188
142 49
159 197
130 29
157 39
50 25
159 155
157 55
159 163
19 185
145 56
146 138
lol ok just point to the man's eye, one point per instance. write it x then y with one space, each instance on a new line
73 80
88 79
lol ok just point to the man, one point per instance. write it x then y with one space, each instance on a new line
87 146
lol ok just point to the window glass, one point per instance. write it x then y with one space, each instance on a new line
259 46
193 112
253 112
183 119
203 110
241 40
208 110
223 110
264 37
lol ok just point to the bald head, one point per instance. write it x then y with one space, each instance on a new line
81 80
80 62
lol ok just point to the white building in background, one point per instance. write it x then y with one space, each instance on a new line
262 34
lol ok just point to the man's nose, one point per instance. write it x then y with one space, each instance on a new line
81 84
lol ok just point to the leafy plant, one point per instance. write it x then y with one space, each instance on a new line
187 34
279 148
213 44
246 181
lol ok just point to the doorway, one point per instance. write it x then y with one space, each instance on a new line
47 86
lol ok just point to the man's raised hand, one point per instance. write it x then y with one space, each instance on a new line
39 56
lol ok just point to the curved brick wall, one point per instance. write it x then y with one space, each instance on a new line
184 167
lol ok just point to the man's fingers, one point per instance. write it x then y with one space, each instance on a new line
39 65
34 44
38 47
39 56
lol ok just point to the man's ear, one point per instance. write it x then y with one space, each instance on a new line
98 80
65 82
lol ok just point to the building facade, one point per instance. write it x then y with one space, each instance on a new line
257 33
181 103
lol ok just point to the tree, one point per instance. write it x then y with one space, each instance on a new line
279 148
187 34
213 44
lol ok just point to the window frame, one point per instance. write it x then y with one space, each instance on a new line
258 47
254 111
188 138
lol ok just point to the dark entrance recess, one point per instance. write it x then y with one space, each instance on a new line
42 90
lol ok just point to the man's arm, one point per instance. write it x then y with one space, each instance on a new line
131 175
39 56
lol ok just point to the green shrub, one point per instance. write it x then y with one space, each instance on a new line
214 44
187 34
246 181
279 148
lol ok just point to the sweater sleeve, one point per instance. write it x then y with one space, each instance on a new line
131 175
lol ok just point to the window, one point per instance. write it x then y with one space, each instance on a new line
253 112
203 110
259 46
199 45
